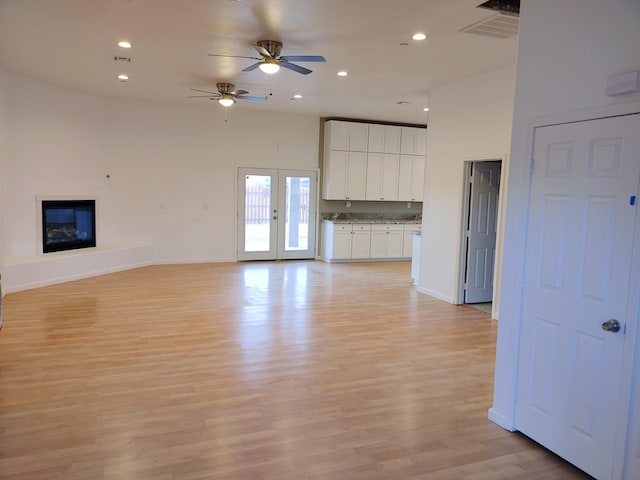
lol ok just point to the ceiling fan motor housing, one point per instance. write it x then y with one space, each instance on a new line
272 46
225 88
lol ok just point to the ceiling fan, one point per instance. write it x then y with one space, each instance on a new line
270 60
227 94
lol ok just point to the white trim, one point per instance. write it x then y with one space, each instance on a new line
438 295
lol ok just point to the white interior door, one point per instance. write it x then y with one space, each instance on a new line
276 214
577 270
481 231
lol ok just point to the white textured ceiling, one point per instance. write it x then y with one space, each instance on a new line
73 42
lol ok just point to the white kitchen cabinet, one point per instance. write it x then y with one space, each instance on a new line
344 175
345 241
382 176
384 138
407 238
386 240
413 141
347 136
411 178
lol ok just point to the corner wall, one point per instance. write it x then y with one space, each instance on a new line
164 175
566 51
468 120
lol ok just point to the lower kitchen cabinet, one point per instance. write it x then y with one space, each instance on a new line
365 241
386 240
344 241
407 239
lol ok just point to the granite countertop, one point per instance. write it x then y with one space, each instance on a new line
368 218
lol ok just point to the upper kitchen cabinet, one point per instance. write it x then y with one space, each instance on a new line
413 141
344 175
384 138
411 178
346 136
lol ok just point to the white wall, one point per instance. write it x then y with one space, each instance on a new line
4 138
170 167
468 120
567 49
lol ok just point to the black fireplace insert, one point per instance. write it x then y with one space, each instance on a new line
68 224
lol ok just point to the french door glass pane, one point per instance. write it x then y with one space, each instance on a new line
296 229
257 215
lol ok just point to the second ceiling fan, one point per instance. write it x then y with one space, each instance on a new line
270 59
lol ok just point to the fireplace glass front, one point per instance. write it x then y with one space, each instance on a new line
68 224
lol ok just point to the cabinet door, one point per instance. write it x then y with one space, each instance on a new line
417 179
335 175
394 243
360 244
376 138
337 133
341 244
389 179
378 244
392 136
358 136
374 176
407 239
421 141
413 141
405 178
356 176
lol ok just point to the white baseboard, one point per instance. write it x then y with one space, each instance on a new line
438 295
49 269
501 420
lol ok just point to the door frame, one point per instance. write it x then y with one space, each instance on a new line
236 205
505 392
462 239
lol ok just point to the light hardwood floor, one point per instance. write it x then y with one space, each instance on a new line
273 371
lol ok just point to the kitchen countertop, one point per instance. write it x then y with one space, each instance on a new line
371 218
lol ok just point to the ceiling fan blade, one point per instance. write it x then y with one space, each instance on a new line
204 91
239 92
251 67
203 96
233 56
303 58
262 51
255 99
295 68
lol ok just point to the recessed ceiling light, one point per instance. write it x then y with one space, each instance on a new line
426 109
342 73
123 77
124 44
297 96
419 36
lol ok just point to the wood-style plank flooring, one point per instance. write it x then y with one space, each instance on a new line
266 371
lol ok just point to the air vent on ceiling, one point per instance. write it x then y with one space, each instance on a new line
508 7
122 59
496 26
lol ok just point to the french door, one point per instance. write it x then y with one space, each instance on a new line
276 214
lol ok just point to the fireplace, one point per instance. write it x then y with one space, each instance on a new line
68 225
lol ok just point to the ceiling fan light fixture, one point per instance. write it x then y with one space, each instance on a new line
226 101
269 67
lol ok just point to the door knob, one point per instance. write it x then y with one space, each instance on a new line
611 325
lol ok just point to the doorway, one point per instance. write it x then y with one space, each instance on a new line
479 227
276 214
